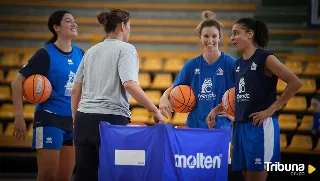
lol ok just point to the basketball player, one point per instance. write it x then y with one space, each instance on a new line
209 76
58 60
315 103
106 76
256 130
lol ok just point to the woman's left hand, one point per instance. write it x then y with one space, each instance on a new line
259 117
226 115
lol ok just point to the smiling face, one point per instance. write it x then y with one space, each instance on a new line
210 38
241 38
68 27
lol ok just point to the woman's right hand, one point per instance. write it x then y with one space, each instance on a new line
210 120
157 117
20 128
165 107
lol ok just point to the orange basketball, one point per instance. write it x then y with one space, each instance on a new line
37 89
228 102
136 124
182 99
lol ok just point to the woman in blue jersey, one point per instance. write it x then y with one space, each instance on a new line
315 103
209 76
58 60
256 130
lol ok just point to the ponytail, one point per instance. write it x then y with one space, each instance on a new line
110 18
209 19
261 34
260 29
52 40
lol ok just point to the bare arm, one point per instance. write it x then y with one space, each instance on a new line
165 105
75 98
17 95
139 95
167 93
293 82
20 128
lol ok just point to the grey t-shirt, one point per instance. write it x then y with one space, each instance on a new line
102 72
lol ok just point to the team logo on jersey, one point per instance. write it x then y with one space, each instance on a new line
49 140
196 71
206 85
238 69
206 90
70 62
257 161
242 95
253 66
242 84
69 84
219 71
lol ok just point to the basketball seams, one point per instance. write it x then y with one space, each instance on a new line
180 103
184 100
30 89
177 101
193 102
229 101
180 96
190 92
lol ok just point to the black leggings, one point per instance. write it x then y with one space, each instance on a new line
87 141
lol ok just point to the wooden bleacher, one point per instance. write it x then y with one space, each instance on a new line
94 21
148 6
157 72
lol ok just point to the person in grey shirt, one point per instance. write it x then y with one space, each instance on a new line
106 77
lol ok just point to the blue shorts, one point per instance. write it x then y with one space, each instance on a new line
253 145
224 123
51 138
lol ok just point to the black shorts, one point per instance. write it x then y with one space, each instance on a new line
51 131
45 118
87 141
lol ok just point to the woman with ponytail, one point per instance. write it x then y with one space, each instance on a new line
58 60
107 76
212 69
256 129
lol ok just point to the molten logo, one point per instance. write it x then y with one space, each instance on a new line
198 161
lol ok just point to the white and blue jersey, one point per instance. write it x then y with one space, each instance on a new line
209 82
61 74
53 124
254 91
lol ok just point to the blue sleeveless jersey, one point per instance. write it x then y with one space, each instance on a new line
316 123
209 82
61 75
254 90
